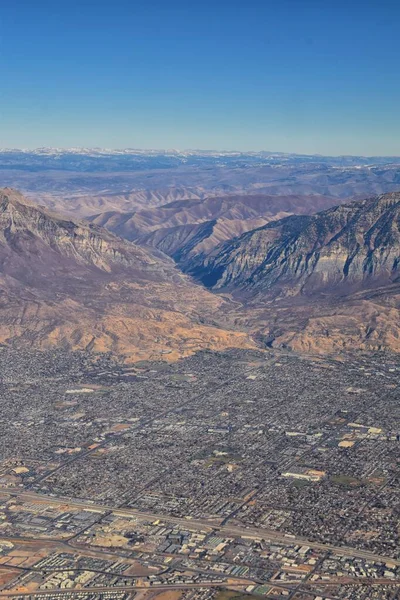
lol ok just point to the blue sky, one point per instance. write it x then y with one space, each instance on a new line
289 75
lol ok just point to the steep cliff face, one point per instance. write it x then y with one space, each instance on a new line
345 248
24 227
77 285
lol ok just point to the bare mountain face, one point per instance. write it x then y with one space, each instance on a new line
354 245
185 228
76 285
325 281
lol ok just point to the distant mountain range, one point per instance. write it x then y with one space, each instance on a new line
87 181
46 154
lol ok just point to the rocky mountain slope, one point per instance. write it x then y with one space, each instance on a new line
323 282
341 249
75 284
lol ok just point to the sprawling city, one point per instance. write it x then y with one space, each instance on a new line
242 472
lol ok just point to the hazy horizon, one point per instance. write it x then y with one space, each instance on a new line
142 149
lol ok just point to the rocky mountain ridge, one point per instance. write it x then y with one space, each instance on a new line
85 182
323 283
345 248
